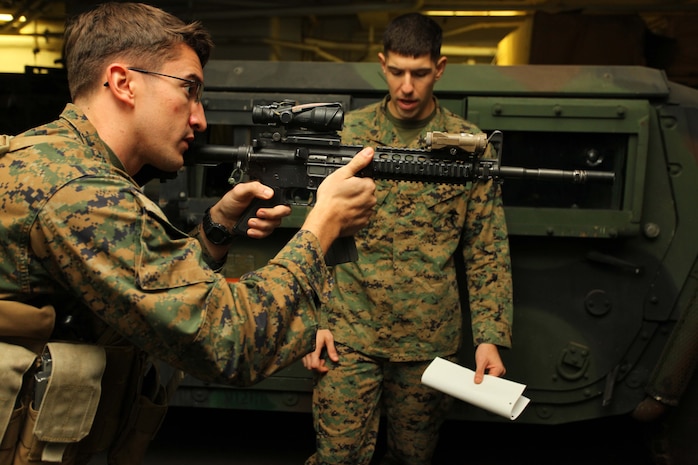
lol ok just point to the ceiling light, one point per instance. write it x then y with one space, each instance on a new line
6 18
506 13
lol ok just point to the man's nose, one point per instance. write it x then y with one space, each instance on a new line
197 119
407 86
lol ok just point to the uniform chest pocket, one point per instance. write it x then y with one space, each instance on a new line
168 258
437 208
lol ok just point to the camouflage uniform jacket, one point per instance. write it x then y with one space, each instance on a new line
400 299
77 233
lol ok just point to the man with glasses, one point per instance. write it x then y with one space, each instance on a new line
92 274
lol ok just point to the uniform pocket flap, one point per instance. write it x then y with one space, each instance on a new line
72 395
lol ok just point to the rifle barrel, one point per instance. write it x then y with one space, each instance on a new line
574 176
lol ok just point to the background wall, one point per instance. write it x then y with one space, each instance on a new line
656 33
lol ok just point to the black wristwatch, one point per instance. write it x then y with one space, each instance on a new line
215 232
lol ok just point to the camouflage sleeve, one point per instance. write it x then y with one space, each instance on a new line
486 253
117 252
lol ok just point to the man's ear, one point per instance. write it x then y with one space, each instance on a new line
118 81
381 59
440 66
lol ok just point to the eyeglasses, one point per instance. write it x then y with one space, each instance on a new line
195 89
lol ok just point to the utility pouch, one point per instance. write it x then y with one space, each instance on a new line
68 405
147 417
119 385
14 364
134 445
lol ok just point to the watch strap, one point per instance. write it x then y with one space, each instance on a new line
216 233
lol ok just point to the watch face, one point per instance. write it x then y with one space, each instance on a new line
216 233
217 236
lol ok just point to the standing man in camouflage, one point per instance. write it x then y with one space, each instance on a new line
92 274
397 308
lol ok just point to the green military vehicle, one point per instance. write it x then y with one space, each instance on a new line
605 273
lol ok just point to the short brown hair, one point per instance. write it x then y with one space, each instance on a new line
142 33
413 35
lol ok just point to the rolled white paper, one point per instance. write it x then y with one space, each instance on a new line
496 395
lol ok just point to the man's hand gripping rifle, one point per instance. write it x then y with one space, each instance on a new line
302 147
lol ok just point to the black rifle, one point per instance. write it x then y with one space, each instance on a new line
304 148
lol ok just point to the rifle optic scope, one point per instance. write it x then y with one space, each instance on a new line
310 116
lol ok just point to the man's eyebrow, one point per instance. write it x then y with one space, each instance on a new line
416 70
193 77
